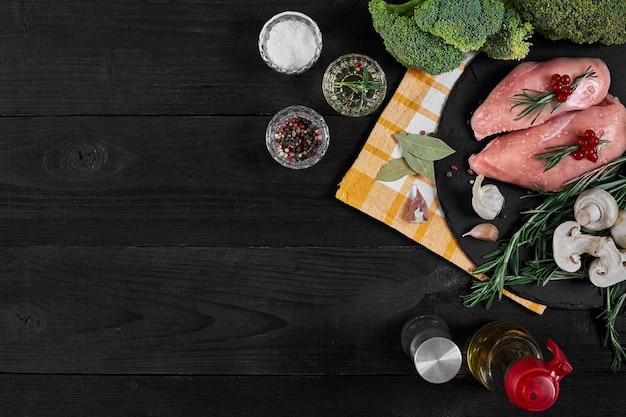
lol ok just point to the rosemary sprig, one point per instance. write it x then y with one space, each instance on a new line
534 101
609 316
554 154
360 88
535 234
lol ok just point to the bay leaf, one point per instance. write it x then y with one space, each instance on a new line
394 170
421 166
423 146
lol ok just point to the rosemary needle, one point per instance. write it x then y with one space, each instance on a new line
609 315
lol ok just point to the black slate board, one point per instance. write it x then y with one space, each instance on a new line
454 192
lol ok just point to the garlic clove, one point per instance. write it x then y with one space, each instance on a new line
418 209
487 200
484 231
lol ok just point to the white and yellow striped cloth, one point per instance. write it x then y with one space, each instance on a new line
415 106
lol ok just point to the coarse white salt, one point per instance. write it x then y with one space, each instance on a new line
290 42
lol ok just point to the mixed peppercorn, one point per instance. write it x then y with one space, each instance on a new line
297 139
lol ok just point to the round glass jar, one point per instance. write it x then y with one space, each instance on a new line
297 137
290 42
354 85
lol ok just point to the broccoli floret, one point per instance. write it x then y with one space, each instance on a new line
579 21
408 44
512 41
465 24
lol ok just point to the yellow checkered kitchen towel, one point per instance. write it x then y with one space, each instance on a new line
416 106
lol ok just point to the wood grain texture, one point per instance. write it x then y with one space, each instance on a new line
45 395
250 311
172 181
153 57
155 261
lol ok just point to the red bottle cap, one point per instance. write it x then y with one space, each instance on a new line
533 384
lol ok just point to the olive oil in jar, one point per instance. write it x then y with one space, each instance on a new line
506 359
496 346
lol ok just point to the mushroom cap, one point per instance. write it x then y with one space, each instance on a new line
608 268
566 256
618 230
595 209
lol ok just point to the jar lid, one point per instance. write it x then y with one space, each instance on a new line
438 360
533 384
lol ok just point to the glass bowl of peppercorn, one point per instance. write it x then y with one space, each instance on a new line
297 137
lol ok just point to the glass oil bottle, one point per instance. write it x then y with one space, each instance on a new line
505 358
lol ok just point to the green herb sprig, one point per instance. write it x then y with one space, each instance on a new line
535 235
534 101
555 154
419 155
359 89
613 306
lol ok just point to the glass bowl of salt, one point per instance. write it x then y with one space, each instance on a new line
290 42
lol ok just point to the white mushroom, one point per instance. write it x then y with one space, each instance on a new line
595 209
609 267
618 230
568 244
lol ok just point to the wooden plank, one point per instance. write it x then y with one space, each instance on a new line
173 181
96 396
243 311
152 57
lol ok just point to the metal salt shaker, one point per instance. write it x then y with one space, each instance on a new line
426 340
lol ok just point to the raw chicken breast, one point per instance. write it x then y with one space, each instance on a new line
494 115
512 158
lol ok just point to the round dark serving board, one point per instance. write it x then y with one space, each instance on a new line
476 82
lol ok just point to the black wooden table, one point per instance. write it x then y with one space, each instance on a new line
155 261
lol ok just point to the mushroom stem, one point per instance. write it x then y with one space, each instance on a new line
609 267
568 244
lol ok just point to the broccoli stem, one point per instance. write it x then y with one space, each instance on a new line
405 9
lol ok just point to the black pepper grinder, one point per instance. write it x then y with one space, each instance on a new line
426 340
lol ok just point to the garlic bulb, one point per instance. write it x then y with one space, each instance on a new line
484 231
487 200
